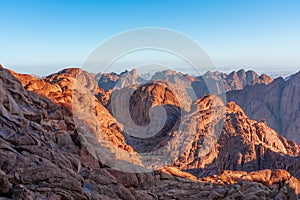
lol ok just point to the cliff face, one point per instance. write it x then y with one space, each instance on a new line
33 133
276 103
154 109
43 157
249 145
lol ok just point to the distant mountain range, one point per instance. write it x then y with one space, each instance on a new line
233 81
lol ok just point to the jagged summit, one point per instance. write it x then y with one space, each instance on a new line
216 80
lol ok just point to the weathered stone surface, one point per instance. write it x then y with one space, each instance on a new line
37 162
276 103
77 90
42 157
280 180
143 113
243 144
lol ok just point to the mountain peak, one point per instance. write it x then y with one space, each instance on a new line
232 107
72 72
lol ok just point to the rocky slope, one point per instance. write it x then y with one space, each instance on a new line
181 83
77 90
235 141
212 138
264 184
249 145
276 103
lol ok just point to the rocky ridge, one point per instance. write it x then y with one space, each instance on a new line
109 81
76 90
42 161
196 87
278 106
249 145
212 137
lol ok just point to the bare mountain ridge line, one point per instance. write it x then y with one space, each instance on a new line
101 91
170 188
271 111
193 87
64 70
163 188
278 106
60 87
233 81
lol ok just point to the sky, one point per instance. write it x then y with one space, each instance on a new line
41 37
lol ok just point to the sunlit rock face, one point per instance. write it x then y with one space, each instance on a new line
214 137
248 145
77 90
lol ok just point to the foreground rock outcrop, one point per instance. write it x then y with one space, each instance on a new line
279 179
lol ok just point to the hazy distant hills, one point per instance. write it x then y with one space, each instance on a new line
61 136
112 80
210 82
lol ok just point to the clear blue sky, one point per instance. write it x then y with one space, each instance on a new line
43 36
